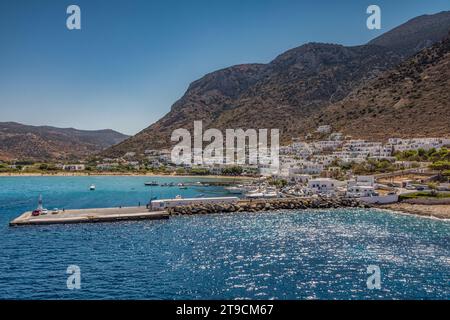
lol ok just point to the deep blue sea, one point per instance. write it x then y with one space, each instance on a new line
313 254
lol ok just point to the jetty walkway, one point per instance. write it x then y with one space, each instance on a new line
89 215
142 213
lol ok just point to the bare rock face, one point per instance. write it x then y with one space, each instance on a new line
280 95
417 34
412 99
287 93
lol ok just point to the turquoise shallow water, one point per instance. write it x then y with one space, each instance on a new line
316 254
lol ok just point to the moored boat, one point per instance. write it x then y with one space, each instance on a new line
262 193
236 189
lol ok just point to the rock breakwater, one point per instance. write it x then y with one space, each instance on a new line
267 205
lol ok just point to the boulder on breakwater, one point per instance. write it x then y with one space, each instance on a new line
267 205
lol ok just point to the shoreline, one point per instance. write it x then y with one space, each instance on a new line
121 174
441 212
437 211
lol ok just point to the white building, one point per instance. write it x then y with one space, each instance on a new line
399 144
357 191
326 145
107 166
312 168
152 152
323 185
74 167
300 178
129 155
324 129
133 164
365 181
336 136
268 170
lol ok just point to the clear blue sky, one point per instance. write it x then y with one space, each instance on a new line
133 59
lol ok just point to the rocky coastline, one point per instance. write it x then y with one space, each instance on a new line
268 205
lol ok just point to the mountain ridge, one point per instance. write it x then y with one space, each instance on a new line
209 99
293 88
415 94
419 28
20 141
348 87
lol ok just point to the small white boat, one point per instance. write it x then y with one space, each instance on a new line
236 189
253 195
92 187
270 195
262 193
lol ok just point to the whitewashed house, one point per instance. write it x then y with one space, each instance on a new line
74 167
300 178
365 181
358 191
324 129
323 185
107 166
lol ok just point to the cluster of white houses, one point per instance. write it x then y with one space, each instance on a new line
303 157
312 158
361 187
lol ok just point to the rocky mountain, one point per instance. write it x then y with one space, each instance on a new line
417 34
412 100
18 141
292 90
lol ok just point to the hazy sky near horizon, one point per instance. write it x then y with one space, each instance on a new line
133 59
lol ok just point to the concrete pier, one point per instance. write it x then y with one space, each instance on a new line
90 215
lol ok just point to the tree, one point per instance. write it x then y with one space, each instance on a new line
433 186
199 171
180 171
47 167
446 174
233 171
421 153
440 166
443 167
280 183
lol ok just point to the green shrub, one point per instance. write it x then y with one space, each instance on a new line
423 194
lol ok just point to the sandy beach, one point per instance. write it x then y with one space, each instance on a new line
441 211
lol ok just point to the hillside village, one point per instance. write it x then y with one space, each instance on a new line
335 164
366 121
